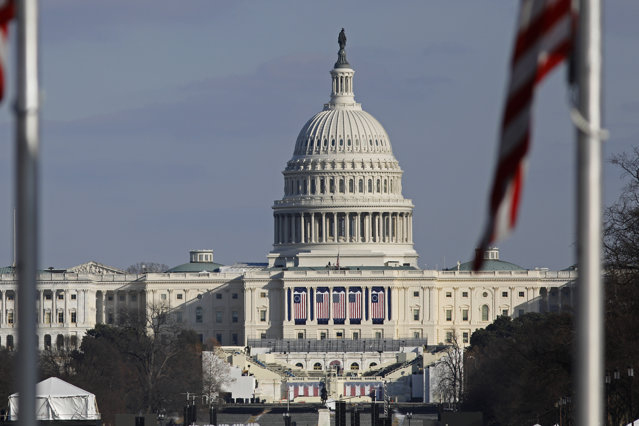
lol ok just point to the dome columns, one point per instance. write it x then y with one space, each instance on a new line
343 227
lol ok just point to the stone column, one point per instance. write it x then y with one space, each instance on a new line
313 235
335 227
323 227
302 228
347 227
41 309
54 306
116 315
66 308
3 318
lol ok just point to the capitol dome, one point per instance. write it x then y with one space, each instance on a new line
343 198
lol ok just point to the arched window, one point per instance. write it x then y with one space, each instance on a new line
379 186
300 365
47 341
361 185
317 366
484 313
351 186
59 342
354 366
10 342
199 314
341 186
313 186
331 186
370 185
373 364
322 186
74 342
385 186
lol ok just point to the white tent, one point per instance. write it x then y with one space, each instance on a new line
59 400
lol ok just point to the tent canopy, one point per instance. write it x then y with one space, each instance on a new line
59 400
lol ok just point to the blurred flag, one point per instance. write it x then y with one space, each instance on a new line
299 305
544 35
6 15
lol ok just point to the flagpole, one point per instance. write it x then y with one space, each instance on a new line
590 319
27 153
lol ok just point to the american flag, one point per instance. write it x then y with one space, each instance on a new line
544 35
6 15
339 304
322 304
377 303
299 304
355 303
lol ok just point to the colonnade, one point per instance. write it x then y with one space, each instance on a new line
359 227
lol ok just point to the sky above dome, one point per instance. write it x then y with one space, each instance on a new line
166 125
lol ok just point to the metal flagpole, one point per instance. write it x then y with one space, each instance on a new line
27 141
590 322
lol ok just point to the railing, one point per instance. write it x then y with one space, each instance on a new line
335 345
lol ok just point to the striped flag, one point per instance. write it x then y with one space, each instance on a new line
299 305
339 305
6 14
355 303
544 35
377 304
322 305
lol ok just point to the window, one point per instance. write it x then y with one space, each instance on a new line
504 294
163 296
110 297
234 296
300 335
218 296
74 317
484 313
110 318
134 297
219 317
370 185
299 365
47 297
10 317
121 297
10 296
379 334
234 338
263 294
74 296
416 314
485 294
521 312
262 336
47 341
351 185
465 337
355 335
263 315
47 317
199 315
323 335
234 316
10 342
464 294
417 335
339 334
361 185
416 294
341 186
60 317
354 366
464 314
521 294
449 337
449 314
60 296
317 366
218 337
449 294
180 296
331 185
59 341
504 312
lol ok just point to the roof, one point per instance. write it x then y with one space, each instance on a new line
58 387
490 265
196 267
7 269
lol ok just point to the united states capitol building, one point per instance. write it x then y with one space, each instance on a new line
342 264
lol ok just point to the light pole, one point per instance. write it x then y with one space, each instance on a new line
287 418
631 376
409 416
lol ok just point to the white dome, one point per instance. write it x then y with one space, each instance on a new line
342 130
343 197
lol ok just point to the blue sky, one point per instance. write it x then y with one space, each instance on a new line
166 125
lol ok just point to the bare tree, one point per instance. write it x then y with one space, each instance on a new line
450 374
144 267
215 373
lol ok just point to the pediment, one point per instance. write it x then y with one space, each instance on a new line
93 267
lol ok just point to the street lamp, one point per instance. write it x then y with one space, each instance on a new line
409 416
287 418
631 375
